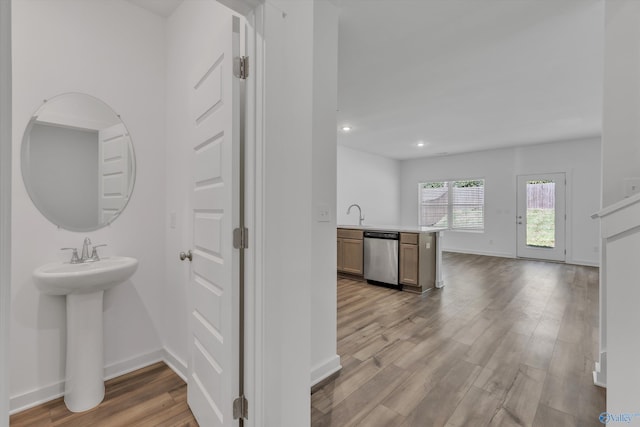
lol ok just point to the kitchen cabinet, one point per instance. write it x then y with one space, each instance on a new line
350 252
417 259
408 264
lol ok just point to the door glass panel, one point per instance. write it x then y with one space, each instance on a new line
541 214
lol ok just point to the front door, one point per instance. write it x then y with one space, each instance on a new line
214 212
541 216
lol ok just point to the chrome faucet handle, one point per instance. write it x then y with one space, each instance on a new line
94 253
74 255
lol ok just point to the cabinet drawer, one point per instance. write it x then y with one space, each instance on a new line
349 234
409 238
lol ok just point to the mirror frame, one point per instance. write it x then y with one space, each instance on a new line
25 166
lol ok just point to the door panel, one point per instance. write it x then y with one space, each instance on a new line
214 195
114 169
541 216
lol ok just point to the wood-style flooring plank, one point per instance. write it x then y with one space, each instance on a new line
149 397
507 342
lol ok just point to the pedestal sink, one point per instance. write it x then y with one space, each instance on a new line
84 285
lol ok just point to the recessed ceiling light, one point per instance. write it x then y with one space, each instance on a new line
346 128
420 144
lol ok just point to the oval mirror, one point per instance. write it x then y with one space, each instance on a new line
78 162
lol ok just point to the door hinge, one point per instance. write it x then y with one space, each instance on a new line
240 408
241 67
241 238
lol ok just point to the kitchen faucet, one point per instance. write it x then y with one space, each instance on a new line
360 216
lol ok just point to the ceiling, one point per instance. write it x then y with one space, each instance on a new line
468 75
160 7
464 75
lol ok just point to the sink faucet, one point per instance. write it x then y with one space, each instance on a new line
360 216
85 257
85 249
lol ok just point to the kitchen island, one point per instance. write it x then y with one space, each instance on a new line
413 261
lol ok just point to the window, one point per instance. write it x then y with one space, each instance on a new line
456 205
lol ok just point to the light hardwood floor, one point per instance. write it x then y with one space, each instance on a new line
506 343
150 397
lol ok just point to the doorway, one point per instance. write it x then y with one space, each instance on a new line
541 217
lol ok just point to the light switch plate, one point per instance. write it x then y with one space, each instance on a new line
631 186
323 213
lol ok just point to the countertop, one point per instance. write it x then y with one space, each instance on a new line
401 228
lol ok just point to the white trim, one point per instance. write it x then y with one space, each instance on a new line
133 364
507 255
36 397
254 219
176 364
325 369
600 371
47 393
583 262
483 253
5 206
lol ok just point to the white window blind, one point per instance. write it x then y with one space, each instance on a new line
456 205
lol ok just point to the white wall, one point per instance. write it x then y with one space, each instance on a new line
5 206
114 51
371 181
620 125
579 159
184 28
324 360
620 160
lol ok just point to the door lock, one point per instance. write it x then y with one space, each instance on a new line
188 255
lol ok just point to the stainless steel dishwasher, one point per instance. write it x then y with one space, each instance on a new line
381 256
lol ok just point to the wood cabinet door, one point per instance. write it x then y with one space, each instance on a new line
340 267
352 256
409 264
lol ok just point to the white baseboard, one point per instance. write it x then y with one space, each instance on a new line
506 255
36 397
176 364
483 253
325 369
44 394
585 263
132 364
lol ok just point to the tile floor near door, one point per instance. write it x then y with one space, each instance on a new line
506 343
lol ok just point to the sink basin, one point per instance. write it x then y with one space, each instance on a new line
59 278
83 286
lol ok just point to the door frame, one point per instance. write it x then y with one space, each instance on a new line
253 12
5 205
566 228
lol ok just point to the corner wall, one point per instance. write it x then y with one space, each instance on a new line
5 206
371 181
579 159
324 358
112 50
621 109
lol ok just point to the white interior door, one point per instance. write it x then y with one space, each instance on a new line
114 170
214 211
541 216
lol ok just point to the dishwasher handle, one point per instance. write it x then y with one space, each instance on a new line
387 235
